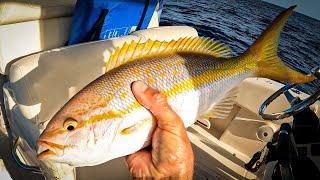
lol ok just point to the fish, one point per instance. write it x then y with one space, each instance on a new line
104 121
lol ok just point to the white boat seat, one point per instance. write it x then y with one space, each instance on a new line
43 82
15 11
29 26
21 39
35 25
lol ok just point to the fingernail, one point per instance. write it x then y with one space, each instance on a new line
140 86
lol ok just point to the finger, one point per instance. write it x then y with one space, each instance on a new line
139 163
137 156
157 103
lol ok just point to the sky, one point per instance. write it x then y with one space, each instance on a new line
307 7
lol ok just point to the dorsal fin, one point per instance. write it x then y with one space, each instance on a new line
136 50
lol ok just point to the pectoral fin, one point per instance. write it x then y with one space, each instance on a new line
136 127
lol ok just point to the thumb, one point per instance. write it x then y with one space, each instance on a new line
157 103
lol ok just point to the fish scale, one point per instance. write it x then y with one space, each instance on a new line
190 68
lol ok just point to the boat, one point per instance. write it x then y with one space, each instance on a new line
40 74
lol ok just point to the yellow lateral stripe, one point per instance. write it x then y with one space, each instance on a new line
229 68
197 81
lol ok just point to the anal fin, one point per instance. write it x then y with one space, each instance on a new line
220 115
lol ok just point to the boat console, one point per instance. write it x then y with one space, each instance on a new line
293 152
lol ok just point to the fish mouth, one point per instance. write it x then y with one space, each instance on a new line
48 149
45 154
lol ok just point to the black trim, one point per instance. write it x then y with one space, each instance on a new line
146 5
95 31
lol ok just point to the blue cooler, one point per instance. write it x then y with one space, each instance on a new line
104 19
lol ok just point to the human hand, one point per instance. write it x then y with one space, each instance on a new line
170 155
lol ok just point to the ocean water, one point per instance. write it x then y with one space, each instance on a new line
238 23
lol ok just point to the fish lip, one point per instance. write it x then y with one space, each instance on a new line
45 154
49 149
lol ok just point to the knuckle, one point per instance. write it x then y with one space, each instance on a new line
160 101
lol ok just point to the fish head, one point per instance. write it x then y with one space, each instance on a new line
72 135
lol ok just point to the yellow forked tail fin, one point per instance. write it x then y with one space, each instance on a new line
264 52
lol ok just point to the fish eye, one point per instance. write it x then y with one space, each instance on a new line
70 124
